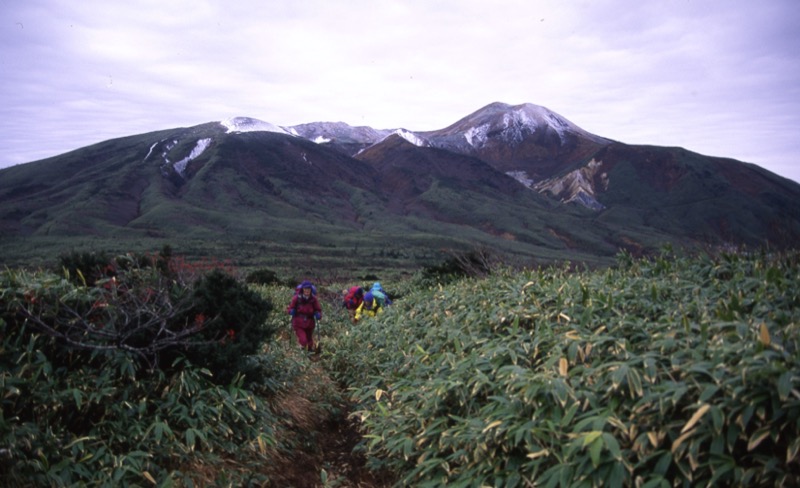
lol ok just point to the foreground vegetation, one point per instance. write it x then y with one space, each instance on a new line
662 372
133 372
656 372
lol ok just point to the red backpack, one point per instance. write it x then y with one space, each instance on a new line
353 298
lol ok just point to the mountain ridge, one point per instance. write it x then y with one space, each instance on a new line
518 178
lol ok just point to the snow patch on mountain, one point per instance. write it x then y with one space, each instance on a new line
247 124
476 136
412 138
404 134
534 116
338 133
150 151
526 119
522 177
167 149
199 148
516 124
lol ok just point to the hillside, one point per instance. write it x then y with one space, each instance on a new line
683 372
551 377
519 180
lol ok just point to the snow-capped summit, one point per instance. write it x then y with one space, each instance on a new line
403 134
412 137
533 117
338 132
247 124
339 135
527 141
509 123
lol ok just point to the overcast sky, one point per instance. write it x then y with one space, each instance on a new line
719 77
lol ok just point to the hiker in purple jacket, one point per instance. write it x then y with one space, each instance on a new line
304 309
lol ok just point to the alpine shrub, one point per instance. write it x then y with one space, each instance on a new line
472 264
84 267
233 324
263 277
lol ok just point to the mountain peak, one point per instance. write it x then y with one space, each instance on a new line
498 177
510 122
412 137
526 117
338 132
247 124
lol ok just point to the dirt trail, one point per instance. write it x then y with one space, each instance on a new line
323 442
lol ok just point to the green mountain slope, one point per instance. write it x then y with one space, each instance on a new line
272 199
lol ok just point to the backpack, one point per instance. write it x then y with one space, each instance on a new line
353 298
380 295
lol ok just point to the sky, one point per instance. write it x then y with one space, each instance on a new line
718 77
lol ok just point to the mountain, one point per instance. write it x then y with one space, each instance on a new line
527 139
521 180
339 136
408 171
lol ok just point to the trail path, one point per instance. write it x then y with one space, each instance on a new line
325 444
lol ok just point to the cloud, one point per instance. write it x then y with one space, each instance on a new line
719 78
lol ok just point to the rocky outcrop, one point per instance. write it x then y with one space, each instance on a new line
579 186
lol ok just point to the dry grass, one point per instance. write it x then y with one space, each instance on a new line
321 441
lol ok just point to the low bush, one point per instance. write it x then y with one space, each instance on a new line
234 328
662 372
139 378
476 263
263 277
84 267
108 422
147 311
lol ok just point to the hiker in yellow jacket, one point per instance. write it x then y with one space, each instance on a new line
368 308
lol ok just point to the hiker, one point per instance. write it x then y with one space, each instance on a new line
352 299
305 310
370 307
380 294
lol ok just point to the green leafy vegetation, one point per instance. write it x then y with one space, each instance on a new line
657 372
665 371
143 373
